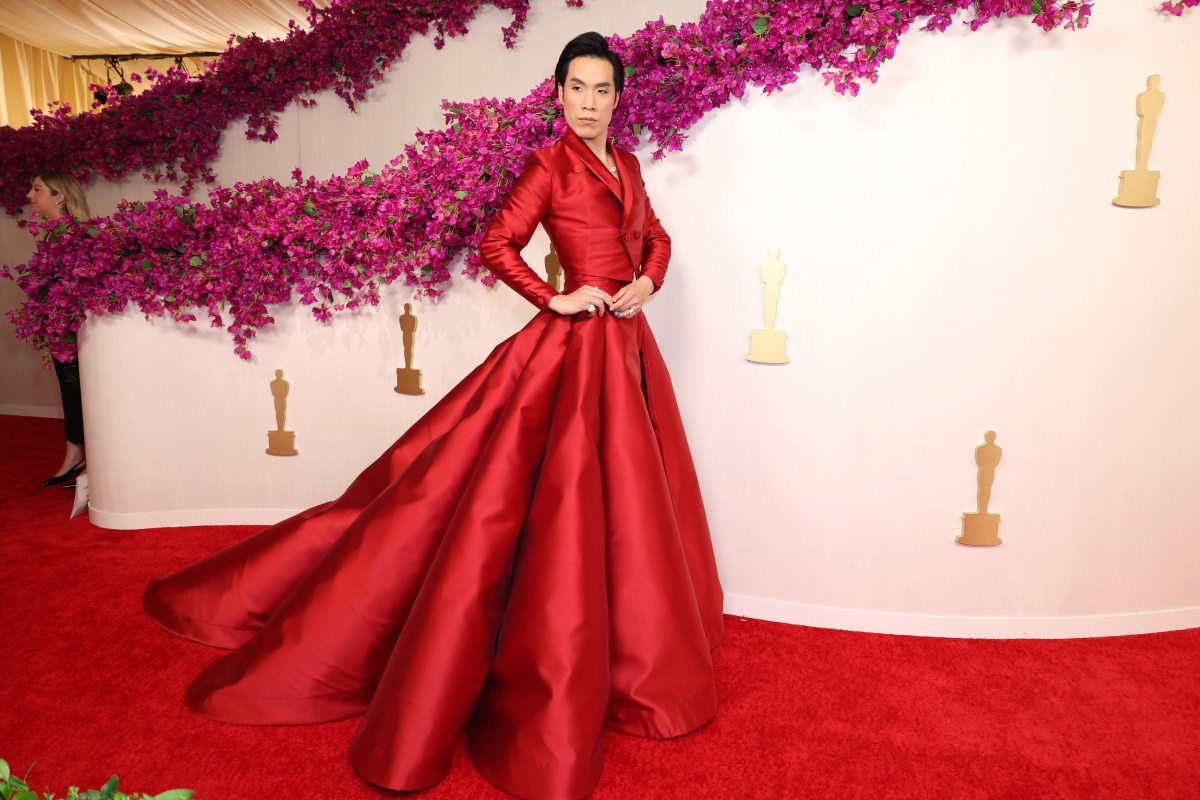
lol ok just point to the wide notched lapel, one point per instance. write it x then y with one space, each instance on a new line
627 187
598 169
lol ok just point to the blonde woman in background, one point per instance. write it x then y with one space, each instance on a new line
55 195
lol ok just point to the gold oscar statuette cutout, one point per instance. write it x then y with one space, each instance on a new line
1139 186
767 346
408 380
981 529
553 269
280 442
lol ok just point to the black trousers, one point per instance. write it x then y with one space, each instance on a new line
72 400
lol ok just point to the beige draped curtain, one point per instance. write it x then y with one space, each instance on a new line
34 77
37 36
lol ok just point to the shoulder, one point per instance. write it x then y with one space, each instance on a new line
550 153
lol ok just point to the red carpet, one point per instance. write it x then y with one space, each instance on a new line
89 686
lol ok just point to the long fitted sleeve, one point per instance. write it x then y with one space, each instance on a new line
511 229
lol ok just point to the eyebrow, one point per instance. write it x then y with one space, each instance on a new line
580 81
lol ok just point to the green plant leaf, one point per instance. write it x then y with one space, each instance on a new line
630 71
1037 6
5 772
460 194
174 794
195 261
93 231
760 25
60 229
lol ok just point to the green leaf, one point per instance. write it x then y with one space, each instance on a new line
457 128
24 794
637 129
460 194
310 209
146 265
368 180
60 229
270 72
630 71
1037 6
196 261
896 15
239 39
174 794
93 231
170 299
5 772
760 25
856 9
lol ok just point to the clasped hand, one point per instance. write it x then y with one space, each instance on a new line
628 300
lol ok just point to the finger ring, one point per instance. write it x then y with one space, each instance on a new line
591 309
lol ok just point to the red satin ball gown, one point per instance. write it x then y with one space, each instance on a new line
529 563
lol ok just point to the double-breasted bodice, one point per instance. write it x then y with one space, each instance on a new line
600 227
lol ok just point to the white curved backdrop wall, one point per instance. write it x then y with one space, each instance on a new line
954 266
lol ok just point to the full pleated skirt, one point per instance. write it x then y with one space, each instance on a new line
529 563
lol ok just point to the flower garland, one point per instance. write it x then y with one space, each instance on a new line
334 243
172 131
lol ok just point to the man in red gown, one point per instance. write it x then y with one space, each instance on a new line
531 561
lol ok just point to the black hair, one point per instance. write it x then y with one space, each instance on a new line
589 45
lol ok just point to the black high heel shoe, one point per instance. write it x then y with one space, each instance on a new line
67 476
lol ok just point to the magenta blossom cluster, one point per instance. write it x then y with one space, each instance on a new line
1176 7
172 130
333 244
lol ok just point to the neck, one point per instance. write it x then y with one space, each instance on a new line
598 145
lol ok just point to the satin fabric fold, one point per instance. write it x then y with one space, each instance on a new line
529 563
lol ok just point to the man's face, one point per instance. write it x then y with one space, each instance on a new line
588 97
